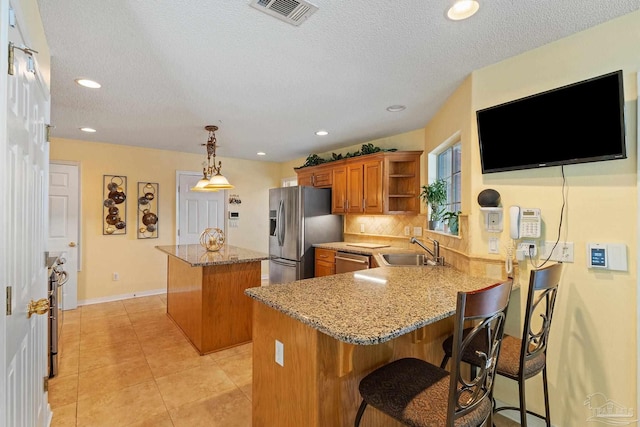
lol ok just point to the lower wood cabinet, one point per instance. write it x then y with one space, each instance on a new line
325 264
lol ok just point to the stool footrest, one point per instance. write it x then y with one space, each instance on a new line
515 408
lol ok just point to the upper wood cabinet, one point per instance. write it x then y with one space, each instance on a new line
339 189
357 187
381 183
316 176
373 200
401 182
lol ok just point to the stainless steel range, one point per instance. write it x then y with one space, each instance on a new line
57 277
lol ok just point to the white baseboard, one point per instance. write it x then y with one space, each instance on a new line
122 296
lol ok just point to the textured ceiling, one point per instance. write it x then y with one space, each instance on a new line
168 68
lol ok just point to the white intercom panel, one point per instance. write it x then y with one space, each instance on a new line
492 219
607 256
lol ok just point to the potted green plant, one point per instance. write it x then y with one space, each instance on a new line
434 195
452 221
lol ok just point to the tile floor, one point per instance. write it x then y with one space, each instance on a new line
124 363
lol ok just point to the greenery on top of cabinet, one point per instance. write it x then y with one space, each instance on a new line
315 160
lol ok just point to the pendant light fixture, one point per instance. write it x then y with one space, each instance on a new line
212 179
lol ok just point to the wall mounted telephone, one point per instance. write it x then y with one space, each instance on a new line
524 222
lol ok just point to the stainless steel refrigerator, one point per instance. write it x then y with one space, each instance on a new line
299 217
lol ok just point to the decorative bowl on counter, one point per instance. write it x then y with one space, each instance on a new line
212 239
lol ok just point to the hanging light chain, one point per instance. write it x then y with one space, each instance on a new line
211 145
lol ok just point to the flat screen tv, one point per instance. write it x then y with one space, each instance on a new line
578 123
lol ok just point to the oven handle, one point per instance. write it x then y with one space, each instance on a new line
63 277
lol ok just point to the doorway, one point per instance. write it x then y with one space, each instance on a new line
197 210
64 224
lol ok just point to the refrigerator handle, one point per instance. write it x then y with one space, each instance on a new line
280 219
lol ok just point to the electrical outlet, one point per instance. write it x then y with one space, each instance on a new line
529 249
407 231
279 353
417 231
362 228
563 251
115 277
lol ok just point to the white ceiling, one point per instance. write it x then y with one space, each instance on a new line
168 68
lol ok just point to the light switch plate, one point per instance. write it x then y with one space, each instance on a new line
494 245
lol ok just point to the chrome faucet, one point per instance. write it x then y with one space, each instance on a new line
435 253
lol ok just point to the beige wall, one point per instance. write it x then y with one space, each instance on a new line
142 268
593 341
454 116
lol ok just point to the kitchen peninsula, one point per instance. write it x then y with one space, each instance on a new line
314 339
205 293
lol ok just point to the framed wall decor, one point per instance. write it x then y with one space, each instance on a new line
114 206
148 210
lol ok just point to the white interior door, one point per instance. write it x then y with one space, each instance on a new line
197 210
638 236
64 195
24 165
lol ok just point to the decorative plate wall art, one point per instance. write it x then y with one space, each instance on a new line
114 206
148 210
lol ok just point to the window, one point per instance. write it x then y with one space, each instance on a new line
449 169
289 182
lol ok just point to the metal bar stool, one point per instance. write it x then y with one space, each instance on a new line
517 361
418 393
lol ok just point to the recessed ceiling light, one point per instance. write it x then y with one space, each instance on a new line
88 83
322 133
396 108
463 9
90 130
261 153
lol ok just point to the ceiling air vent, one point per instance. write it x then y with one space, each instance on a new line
292 11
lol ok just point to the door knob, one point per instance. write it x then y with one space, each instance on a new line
38 307
72 244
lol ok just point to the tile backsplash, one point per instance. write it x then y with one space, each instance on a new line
389 230
383 226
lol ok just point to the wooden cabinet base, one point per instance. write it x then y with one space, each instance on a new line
209 305
317 385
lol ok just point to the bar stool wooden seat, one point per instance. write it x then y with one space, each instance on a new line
420 394
517 361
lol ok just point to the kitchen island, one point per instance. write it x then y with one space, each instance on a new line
315 339
205 293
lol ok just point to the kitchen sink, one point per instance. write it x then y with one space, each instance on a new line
391 260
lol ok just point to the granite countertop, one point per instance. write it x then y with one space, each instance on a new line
349 247
371 306
198 256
